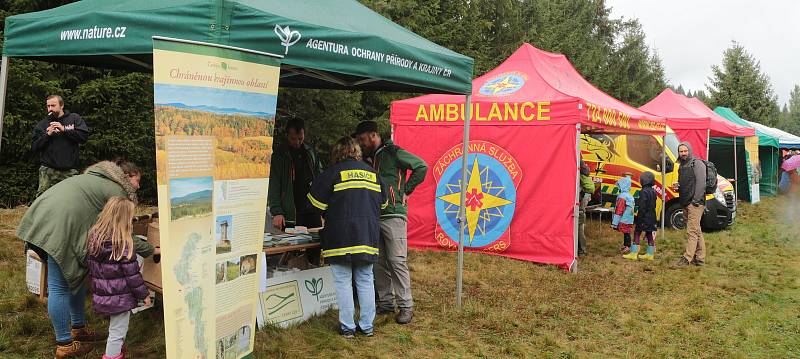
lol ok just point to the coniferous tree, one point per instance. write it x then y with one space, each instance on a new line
791 112
740 85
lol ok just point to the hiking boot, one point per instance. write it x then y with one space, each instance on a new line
682 262
86 335
405 316
698 262
347 333
369 333
72 349
625 249
384 311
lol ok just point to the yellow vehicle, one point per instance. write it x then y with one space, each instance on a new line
610 157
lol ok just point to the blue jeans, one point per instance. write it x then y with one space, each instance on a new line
63 307
342 277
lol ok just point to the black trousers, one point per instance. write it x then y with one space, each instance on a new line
310 220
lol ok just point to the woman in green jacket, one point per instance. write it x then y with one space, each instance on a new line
56 224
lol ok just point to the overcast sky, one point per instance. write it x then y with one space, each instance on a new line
690 36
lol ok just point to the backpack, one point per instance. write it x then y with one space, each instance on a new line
711 176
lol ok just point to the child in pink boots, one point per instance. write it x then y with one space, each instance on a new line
117 285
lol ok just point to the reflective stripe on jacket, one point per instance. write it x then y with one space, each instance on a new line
350 196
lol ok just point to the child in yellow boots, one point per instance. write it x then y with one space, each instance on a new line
645 220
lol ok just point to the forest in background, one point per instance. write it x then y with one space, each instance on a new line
609 52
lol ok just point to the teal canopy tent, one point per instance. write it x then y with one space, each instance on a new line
768 154
787 140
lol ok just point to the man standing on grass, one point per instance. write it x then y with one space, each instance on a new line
692 197
392 277
57 138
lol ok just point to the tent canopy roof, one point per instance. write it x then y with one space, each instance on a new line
763 138
786 140
685 113
531 74
327 44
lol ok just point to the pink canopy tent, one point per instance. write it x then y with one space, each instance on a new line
693 121
526 116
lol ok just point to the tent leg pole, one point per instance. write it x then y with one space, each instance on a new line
576 209
735 170
663 187
708 142
462 213
3 86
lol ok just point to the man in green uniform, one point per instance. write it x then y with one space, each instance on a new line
393 164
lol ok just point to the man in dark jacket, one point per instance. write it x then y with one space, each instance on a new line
692 197
351 195
392 278
57 139
292 169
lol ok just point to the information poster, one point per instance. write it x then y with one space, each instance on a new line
753 167
214 120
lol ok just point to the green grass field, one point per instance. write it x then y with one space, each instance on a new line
745 303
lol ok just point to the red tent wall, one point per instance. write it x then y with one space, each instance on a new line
543 190
698 139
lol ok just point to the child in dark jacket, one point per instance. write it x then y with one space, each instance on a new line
645 220
117 285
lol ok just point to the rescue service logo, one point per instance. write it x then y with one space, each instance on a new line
504 84
492 181
288 37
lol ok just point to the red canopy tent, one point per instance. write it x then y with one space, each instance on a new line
692 121
523 157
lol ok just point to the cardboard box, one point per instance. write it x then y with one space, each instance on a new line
36 275
151 271
140 223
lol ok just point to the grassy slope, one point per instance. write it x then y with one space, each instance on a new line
745 303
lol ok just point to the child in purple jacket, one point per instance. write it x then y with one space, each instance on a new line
117 285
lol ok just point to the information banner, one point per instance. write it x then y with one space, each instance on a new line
214 120
753 167
294 297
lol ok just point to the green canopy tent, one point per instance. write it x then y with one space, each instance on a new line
768 156
328 44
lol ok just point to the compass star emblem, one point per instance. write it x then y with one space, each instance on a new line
503 84
478 201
